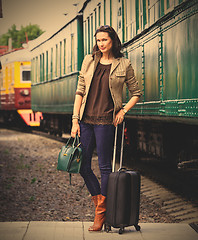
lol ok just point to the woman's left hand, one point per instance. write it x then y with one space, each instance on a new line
119 117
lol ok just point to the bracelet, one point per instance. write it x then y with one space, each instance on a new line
124 110
75 117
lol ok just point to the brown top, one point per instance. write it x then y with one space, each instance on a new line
99 105
121 73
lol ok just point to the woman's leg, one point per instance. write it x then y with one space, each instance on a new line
104 142
87 140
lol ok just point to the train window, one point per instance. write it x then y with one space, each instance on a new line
46 65
169 3
85 37
40 68
99 14
65 56
125 21
145 7
95 17
40 74
60 65
43 67
130 19
137 15
91 31
56 69
88 23
110 12
26 76
51 63
162 8
36 70
119 11
147 12
120 21
104 12
72 53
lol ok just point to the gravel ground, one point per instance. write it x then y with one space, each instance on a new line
32 189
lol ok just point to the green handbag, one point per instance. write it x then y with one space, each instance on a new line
70 156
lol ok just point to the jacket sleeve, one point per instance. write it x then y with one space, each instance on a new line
131 81
81 81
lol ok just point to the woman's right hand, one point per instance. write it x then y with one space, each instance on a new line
75 128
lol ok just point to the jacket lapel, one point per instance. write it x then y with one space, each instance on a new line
93 68
96 60
114 64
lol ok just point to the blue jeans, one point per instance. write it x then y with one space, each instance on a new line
102 136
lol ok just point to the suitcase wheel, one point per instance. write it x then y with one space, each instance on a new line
107 228
137 227
121 230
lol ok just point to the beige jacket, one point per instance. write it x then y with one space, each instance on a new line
121 72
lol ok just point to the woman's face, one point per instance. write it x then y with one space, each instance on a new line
104 42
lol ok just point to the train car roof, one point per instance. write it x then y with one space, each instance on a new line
82 4
48 35
21 55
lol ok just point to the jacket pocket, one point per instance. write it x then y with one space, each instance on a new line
120 74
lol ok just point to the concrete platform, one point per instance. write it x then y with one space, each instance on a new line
79 231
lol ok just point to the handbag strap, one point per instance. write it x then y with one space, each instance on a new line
71 157
76 141
68 141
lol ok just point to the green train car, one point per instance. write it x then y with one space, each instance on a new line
164 56
56 61
160 39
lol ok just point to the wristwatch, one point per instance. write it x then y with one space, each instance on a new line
124 110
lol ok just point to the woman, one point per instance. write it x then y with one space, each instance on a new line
98 106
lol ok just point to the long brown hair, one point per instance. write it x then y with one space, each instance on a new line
116 46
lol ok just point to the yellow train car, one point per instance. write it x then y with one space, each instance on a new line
15 88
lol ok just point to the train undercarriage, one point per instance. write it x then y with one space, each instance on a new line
168 142
165 142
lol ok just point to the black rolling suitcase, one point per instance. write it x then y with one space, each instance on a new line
123 195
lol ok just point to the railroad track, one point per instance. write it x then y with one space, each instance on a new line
64 137
36 132
182 210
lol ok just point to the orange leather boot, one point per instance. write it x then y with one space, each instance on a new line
95 200
99 214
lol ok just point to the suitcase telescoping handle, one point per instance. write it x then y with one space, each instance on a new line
115 145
